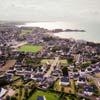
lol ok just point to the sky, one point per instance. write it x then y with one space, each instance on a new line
50 10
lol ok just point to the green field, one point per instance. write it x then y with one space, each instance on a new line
48 95
62 61
26 31
30 48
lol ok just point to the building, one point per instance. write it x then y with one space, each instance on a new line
41 98
5 79
19 71
88 90
64 81
82 72
27 77
2 92
81 80
88 70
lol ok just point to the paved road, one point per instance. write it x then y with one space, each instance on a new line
54 63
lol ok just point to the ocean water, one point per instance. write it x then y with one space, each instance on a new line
92 29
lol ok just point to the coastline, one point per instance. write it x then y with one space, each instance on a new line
91 34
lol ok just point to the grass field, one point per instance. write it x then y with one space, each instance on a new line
30 48
48 95
26 31
66 89
62 61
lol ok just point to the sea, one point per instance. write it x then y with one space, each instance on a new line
91 34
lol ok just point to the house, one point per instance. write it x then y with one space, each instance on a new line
44 85
44 68
56 72
71 74
37 77
78 59
93 67
64 81
41 98
18 64
27 77
97 72
2 62
76 75
9 77
88 70
71 66
82 72
81 80
10 71
50 80
88 90
5 79
28 70
2 92
19 71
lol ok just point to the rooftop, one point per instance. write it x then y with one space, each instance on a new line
64 79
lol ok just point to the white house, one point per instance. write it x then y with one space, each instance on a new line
88 90
64 81
81 80
41 98
2 92
82 72
88 70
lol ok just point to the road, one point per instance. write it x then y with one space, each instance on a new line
96 80
54 63
87 97
19 44
70 50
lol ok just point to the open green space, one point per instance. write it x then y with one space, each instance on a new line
58 87
30 48
62 61
48 95
26 31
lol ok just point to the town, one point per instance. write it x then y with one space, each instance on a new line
36 65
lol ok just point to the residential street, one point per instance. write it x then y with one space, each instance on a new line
54 63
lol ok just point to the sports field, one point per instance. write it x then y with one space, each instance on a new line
30 48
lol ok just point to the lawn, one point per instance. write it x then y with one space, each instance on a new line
26 31
48 95
58 87
97 75
62 61
30 48
43 61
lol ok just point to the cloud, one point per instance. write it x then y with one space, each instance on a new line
50 9
22 6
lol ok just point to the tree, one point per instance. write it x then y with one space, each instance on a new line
85 65
26 92
65 71
70 60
